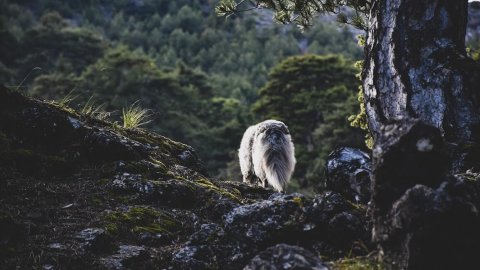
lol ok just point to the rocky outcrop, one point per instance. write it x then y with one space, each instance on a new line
80 193
285 257
473 26
424 218
348 171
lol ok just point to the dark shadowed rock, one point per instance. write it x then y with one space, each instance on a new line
266 220
209 248
408 153
103 144
208 233
284 256
423 218
346 228
62 134
434 228
94 239
328 223
348 172
247 191
247 228
324 207
128 257
193 257
336 223
166 193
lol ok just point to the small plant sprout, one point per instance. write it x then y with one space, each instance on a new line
134 116
95 111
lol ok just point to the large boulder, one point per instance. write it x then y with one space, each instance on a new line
267 220
423 218
348 172
337 224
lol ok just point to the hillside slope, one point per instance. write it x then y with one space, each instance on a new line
79 193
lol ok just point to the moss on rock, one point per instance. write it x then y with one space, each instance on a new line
232 194
357 263
141 219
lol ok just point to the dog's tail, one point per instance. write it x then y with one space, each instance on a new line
279 160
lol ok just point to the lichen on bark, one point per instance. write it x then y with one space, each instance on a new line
414 67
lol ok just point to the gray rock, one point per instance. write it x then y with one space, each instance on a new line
94 239
57 246
208 233
348 172
284 256
266 220
165 193
336 223
194 257
48 267
210 247
325 206
126 257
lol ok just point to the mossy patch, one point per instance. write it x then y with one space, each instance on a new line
233 194
158 163
146 168
65 108
470 176
164 144
357 263
103 181
298 201
138 220
357 206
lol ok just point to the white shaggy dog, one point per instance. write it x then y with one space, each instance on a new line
267 154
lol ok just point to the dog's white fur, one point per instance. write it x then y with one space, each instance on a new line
267 154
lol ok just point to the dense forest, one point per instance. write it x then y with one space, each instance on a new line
203 78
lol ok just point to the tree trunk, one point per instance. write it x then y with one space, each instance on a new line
416 66
420 91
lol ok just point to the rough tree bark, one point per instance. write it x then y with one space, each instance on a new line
416 66
421 100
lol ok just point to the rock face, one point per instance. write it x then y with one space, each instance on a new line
285 257
94 239
348 172
473 26
127 256
266 220
329 225
424 218
80 193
